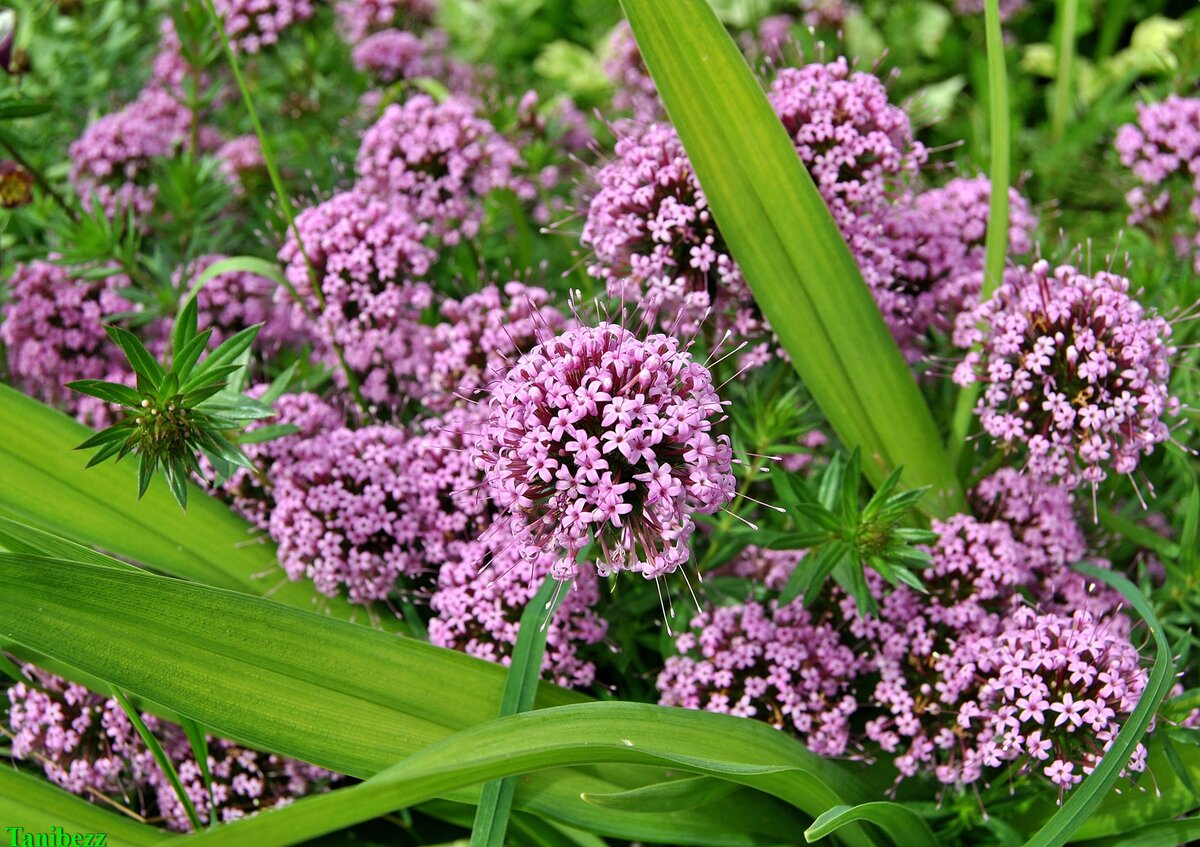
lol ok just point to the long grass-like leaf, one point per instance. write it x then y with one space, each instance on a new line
1089 794
1000 174
744 752
1064 84
160 756
36 805
520 690
1163 834
789 248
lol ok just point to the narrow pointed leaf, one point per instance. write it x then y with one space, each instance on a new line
144 364
111 392
788 246
686 793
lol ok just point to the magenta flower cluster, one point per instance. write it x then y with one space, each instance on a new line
1163 150
440 160
1073 369
240 158
111 159
87 744
365 254
252 493
53 333
653 238
599 434
858 147
634 90
775 663
1008 8
253 25
924 256
232 301
478 340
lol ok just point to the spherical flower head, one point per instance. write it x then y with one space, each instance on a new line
1058 690
1163 150
480 337
252 492
16 185
367 255
635 91
253 25
53 333
358 19
858 147
599 434
927 252
484 587
393 55
1074 369
775 663
442 159
653 236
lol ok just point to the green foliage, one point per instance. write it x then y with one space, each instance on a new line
844 537
180 406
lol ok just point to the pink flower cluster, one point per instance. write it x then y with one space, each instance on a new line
253 25
1073 368
479 611
1008 8
479 338
252 492
235 300
776 663
365 254
360 18
340 516
858 147
599 434
53 333
440 160
241 157
87 744
653 237
1164 145
110 160
925 262
392 55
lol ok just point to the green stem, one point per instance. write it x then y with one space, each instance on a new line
996 243
285 203
1138 534
1063 82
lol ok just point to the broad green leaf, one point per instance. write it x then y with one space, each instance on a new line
1095 788
345 697
36 805
789 248
904 826
44 486
584 734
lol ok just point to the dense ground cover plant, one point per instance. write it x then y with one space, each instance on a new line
532 346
